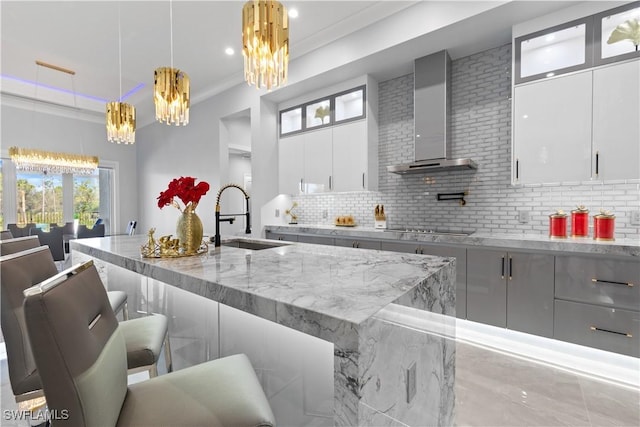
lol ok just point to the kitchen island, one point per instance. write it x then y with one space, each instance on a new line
340 295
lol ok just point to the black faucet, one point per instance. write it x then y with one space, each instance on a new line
230 217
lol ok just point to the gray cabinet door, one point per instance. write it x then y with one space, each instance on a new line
530 293
445 251
486 286
281 236
357 243
318 240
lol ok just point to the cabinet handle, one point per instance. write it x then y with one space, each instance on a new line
330 186
517 169
421 251
357 244
596 329
280 238
353 244
612 282
597 163
510 268
301 184
502 271
416 251
362 179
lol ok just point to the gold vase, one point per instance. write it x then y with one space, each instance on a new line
189 230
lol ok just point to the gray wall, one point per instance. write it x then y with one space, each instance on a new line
481 130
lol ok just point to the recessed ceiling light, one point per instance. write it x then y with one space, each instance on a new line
229 51
293 13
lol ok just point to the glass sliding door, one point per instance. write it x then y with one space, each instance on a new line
39 198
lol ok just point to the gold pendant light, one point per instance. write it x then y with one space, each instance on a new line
121 122
121 117
171 90
265 43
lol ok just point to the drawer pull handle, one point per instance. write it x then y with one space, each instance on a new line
613 282
502 274
595 329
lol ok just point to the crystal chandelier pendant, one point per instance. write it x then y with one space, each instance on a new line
171 94
121 123
265 43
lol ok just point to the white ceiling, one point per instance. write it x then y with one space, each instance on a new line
83 36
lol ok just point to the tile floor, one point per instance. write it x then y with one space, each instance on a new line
494 388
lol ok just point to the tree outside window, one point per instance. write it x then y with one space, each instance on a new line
39 198
86 199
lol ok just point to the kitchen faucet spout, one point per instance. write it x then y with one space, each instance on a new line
230 217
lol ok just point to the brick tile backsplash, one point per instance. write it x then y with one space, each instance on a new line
480 130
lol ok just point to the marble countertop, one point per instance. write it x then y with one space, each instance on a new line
620 247
344 284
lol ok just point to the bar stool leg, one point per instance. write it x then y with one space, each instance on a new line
167 354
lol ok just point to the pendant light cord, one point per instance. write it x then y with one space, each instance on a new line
171 29
119 53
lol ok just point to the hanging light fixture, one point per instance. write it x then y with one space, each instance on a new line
171 90
32 160
121 117
265 43
27 159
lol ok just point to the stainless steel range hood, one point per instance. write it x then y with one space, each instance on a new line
431 118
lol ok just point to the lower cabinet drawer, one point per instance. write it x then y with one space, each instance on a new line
605 328
598 280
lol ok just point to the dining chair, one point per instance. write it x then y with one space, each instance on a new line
143 337
17 231
53 239
131 228
84 370
85 232
18 244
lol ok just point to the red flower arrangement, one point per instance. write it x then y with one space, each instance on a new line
185 189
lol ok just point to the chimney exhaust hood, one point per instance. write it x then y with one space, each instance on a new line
431 118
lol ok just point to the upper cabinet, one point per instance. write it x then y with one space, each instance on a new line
616 121
552 130
554 51
330 144
327 111
575 101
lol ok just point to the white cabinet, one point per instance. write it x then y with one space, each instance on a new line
335 158
317 160
291 164
578 127
616 118
552 130
350 156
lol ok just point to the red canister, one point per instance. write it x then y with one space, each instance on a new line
604 226
580 222
558 225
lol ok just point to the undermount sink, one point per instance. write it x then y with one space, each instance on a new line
247 244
